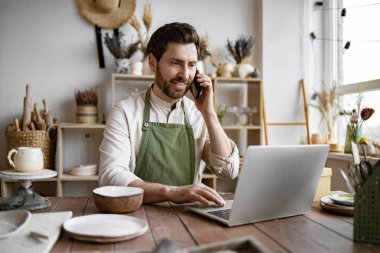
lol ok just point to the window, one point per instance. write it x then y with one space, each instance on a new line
358 70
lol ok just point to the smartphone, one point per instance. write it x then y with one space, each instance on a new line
196 87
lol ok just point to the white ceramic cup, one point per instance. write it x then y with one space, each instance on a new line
26 159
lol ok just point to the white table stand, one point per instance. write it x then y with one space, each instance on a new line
26 197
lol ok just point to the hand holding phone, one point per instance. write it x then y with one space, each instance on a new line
196 87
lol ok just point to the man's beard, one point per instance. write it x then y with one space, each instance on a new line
167 89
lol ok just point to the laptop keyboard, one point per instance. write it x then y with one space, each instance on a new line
224 214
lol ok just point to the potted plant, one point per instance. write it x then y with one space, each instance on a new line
143 37
87 106
120 50
241 50
327 105
203 53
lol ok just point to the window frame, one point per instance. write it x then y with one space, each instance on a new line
334 60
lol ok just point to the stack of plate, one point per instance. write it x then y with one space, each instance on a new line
339 203
85 170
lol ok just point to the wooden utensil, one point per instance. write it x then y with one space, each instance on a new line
32 127
39 123
46 114
17 125
26 117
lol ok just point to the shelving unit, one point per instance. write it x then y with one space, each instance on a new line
63 175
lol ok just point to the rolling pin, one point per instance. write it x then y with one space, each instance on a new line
46 114
17 126
39 123
26 118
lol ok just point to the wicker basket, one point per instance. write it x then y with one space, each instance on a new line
367 210
38 138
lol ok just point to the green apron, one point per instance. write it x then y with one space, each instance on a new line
167 153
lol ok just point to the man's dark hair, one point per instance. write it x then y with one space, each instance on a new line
182 33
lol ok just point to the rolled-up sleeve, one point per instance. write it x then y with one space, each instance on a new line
223 167
115 151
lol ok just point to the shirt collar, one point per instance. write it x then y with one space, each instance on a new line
161 102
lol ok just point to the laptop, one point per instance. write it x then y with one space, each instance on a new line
274 182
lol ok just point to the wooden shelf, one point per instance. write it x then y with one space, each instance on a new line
68 177
60 165
253 127
82 126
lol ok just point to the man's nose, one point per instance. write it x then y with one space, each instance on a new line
184 73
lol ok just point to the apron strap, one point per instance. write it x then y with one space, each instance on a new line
146 118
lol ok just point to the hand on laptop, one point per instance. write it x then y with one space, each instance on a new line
194 193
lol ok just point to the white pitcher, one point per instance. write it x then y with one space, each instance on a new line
26 159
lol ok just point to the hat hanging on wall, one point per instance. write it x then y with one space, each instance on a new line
108 14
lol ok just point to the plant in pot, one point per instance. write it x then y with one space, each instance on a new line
203 53
354 126
326 103
143 37
120 50
87 106
241 50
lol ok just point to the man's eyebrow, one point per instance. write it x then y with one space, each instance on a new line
181 61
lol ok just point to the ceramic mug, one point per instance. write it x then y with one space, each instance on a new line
26 159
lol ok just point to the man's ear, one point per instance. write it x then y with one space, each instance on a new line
152 62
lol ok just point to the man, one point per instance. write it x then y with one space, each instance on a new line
155 139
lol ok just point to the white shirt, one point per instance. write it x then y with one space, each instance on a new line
121 139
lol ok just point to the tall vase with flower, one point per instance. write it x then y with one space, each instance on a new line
327 105
143 37
203 53
354 127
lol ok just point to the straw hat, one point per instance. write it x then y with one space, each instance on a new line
108 14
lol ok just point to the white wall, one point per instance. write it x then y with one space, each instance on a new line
47 44
288 57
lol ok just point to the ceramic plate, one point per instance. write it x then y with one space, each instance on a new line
11 222
105 228
327 204
345 199
42 173
84 173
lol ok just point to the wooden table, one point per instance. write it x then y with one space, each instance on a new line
316 231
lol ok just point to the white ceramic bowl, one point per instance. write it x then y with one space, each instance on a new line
118 199
11 222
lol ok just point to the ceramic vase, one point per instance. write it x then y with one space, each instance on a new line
122 66
136 68
352 134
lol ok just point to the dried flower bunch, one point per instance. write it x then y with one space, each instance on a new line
86 98
356 122
147 21
327 105
203 48
117 46
241 49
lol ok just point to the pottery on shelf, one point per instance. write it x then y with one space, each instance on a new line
136 68
122 66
